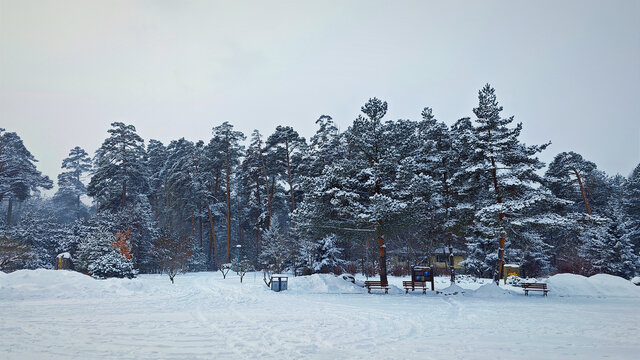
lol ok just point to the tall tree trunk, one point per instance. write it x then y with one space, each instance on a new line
155 211
9 209
259 201
582 191
452 270
228 178
212 237
124 193
193 223
447 205
383 254
503 235
293 202
77 198
266 184
200 220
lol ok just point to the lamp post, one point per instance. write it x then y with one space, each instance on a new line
238 259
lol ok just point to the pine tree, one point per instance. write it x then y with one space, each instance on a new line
120 175
18 174
567 170
503 175
283 145
256 190
631 208
70 185
156 159
324 147
231 150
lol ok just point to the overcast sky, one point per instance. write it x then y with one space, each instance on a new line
569 70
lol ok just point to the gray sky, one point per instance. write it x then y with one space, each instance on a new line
570 70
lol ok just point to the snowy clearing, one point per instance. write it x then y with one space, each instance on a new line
49 313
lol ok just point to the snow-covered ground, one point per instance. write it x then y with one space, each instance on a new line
48 314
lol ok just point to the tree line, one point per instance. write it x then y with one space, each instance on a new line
339 201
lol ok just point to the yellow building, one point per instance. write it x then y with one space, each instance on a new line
440 259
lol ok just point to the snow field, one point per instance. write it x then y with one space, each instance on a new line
47 313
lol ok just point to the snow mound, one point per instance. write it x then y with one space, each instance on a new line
600 285
636 280
453 289
394 290
322 283
33 284
62 284
491 290
570 285
610 285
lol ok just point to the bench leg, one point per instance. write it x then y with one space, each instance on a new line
386 291
369 290
424 291
526 293
406 291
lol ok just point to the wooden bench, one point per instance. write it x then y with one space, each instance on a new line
534 287
413 285
377 285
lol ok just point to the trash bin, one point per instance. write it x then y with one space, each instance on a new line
279 282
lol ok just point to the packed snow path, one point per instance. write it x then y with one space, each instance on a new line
45 314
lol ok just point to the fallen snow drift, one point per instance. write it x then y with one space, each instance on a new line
62 284
322 283
600 285
491 290
454 289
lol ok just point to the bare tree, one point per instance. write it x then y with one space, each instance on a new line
172 254
245 266
224 269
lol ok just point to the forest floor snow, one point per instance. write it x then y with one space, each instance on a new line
45 314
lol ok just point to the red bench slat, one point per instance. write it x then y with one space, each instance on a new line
377 285
413 285
534 287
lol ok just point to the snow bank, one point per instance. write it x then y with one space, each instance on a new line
600 285
453 289
61 284
322 283
491 290
610 285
